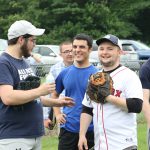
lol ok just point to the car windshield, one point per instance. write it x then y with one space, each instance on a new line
55 48
141 46
46 50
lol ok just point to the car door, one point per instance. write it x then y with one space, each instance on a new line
129 56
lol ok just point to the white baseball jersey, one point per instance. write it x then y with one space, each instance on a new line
115 128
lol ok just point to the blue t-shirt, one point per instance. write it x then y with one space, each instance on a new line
74 81
22 121
144 75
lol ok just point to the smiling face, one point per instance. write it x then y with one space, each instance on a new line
66 53
109 55
81 51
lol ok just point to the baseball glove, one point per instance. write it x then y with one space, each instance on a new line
100 85
31 82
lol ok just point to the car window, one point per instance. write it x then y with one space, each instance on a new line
3 44
141 46
94 46
55 48
45 51
127 47
36 49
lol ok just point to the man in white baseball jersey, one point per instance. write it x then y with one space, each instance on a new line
115 126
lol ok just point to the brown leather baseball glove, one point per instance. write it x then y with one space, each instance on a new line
100 85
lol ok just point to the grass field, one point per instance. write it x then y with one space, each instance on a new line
51 142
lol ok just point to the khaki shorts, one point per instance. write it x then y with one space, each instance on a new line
21 144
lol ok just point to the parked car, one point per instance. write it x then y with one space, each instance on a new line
3 45
140 48
49 54
128 58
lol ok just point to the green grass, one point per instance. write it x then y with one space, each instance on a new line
51 142
142 132
142 141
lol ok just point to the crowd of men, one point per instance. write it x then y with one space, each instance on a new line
84 123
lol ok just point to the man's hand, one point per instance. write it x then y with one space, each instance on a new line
82 144
65 101
61 118
47 122
46 88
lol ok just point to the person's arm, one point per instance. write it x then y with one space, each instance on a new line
57 102
60 117
131 105
118 101
47 123
36 58
146 105
85 121
10 96
133 93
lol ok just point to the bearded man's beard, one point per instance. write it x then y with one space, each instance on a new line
25 51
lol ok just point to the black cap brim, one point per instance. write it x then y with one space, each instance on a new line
99 41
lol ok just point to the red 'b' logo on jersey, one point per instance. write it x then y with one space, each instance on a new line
116 93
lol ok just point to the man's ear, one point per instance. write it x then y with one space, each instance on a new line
90 49
20 40
122 52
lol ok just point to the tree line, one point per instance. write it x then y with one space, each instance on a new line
63 19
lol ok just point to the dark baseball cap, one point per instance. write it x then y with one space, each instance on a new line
111 38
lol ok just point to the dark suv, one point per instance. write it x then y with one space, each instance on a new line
140 48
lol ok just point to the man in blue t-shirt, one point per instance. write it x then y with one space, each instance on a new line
73 80
21 115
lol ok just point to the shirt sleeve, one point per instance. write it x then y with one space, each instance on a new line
133 87
144 75
86 101
59 83
6 75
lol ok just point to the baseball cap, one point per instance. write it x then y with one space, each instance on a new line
23 27
111 38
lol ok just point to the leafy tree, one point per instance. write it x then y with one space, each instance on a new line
63 19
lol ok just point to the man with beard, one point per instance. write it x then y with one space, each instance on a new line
21 116
115 126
